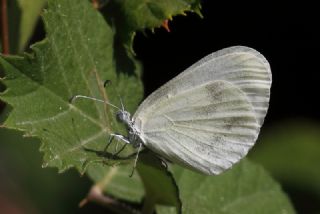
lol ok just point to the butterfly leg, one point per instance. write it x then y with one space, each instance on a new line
136 160
120 150
108 144
126 141
121 138
118 137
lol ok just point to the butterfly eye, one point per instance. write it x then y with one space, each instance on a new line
120 116
123 116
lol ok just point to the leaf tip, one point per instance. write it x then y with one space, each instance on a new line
165 25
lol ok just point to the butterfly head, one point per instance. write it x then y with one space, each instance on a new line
124 117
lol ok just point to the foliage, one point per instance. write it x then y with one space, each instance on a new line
82 49
294 148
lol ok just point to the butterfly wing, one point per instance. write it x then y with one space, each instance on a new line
209 116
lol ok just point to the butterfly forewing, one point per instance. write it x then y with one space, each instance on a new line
213 129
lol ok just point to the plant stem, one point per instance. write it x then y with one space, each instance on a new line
4 27
148 206
95 195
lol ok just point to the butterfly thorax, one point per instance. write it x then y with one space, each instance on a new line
134 134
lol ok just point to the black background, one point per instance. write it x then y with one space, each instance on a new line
287 36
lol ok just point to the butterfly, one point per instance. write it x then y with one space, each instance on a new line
209 116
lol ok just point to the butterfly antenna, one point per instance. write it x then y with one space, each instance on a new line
122 106
92 98
108 82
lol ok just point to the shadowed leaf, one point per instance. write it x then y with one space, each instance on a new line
246 188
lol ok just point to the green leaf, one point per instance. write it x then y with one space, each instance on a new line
159 183
76 58
247 188
155 183
290 151
136 15
26 14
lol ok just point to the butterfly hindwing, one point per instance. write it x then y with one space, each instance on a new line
207 128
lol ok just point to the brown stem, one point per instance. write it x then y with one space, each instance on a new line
4 27
95 4
95 195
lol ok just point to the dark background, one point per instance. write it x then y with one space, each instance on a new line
287 35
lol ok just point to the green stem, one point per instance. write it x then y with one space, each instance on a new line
148 205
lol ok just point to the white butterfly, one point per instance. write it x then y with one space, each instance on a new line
209 116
